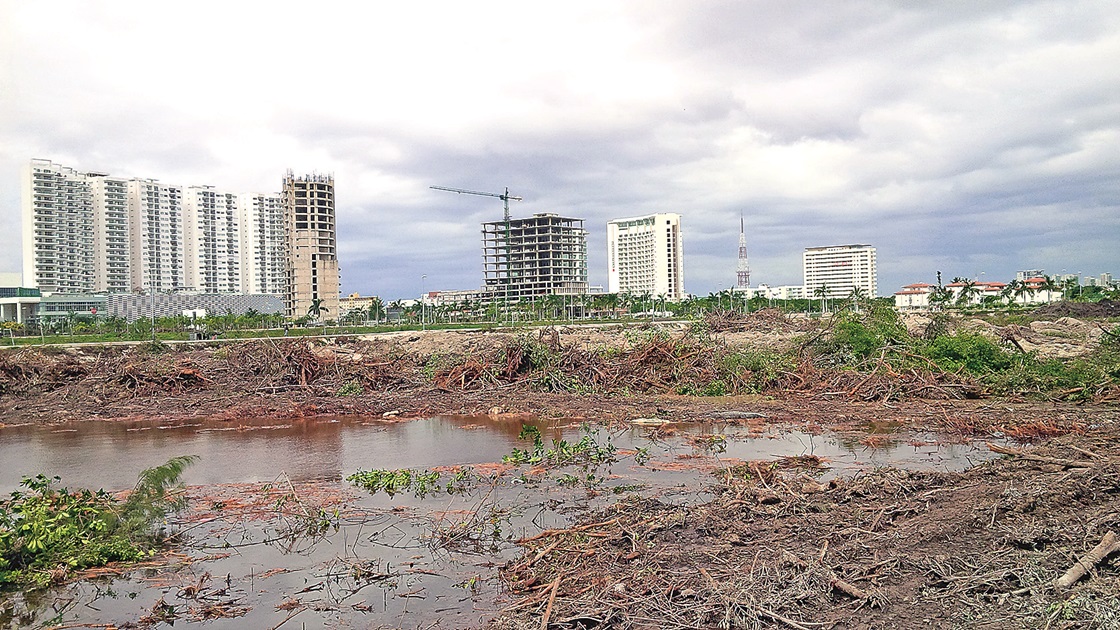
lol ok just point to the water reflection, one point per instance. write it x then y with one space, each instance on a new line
110 454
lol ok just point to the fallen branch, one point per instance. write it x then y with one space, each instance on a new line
1108 546
847 588
555 586
556 532
1064 463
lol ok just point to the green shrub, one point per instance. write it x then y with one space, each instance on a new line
973 353
351 388
44 527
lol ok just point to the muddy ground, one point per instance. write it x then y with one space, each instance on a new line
776 548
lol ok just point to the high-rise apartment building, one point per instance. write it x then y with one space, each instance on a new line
58 249
86 232
111 260
263 245
840 269
545 254
312 264
645 256
155 228
743 270
211 233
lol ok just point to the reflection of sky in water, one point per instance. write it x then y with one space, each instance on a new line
110 454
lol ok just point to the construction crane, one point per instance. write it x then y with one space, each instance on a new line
504 197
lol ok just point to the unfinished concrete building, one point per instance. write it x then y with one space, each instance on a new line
545 254
312 258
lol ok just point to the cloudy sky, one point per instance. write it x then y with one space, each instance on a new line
967 137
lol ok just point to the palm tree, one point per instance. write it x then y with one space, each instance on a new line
376 309
968 291
822 292
316 310
1008 292
857 296
1049 285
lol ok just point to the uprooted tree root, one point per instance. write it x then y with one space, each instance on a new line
887 548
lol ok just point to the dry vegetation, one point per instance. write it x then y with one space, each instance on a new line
1021 542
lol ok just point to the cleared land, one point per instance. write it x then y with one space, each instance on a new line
1022 542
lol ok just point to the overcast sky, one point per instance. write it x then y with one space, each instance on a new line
967 137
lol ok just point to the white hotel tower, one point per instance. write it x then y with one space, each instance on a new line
840 269
645 256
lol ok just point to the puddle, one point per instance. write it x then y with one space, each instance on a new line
399 561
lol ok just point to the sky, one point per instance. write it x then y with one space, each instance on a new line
971 138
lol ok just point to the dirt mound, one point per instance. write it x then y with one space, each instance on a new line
1104 308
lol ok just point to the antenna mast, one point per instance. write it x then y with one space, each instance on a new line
743 273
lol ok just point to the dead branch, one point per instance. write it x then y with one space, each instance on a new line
1109 545
1064 463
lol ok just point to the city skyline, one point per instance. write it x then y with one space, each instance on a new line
966 139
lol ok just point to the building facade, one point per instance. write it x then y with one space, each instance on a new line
645 256
545 254
212 240
57 209
312 263
155 234
839 270
112 270
263 244
89 232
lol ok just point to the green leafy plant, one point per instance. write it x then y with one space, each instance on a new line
419 482
351 388
46 531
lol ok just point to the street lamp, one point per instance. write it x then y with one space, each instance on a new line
423 302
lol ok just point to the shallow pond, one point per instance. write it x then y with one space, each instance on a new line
400 561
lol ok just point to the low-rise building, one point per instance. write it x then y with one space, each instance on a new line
18 304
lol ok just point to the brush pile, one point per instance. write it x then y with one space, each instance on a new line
885 548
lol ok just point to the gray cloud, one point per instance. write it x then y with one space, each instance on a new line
966 137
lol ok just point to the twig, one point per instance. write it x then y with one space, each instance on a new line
847 588
789 622
555 586
556 532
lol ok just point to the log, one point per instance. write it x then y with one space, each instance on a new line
1109 545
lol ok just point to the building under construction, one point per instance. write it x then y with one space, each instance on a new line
545 254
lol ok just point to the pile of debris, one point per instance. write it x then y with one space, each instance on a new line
881 549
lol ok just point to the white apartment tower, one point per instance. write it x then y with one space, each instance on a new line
743 271
87 232
111 265
840 269
645 256
58 249
263 258
212 242
155 229
312 264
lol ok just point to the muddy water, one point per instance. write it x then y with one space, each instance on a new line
386 561
109 454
